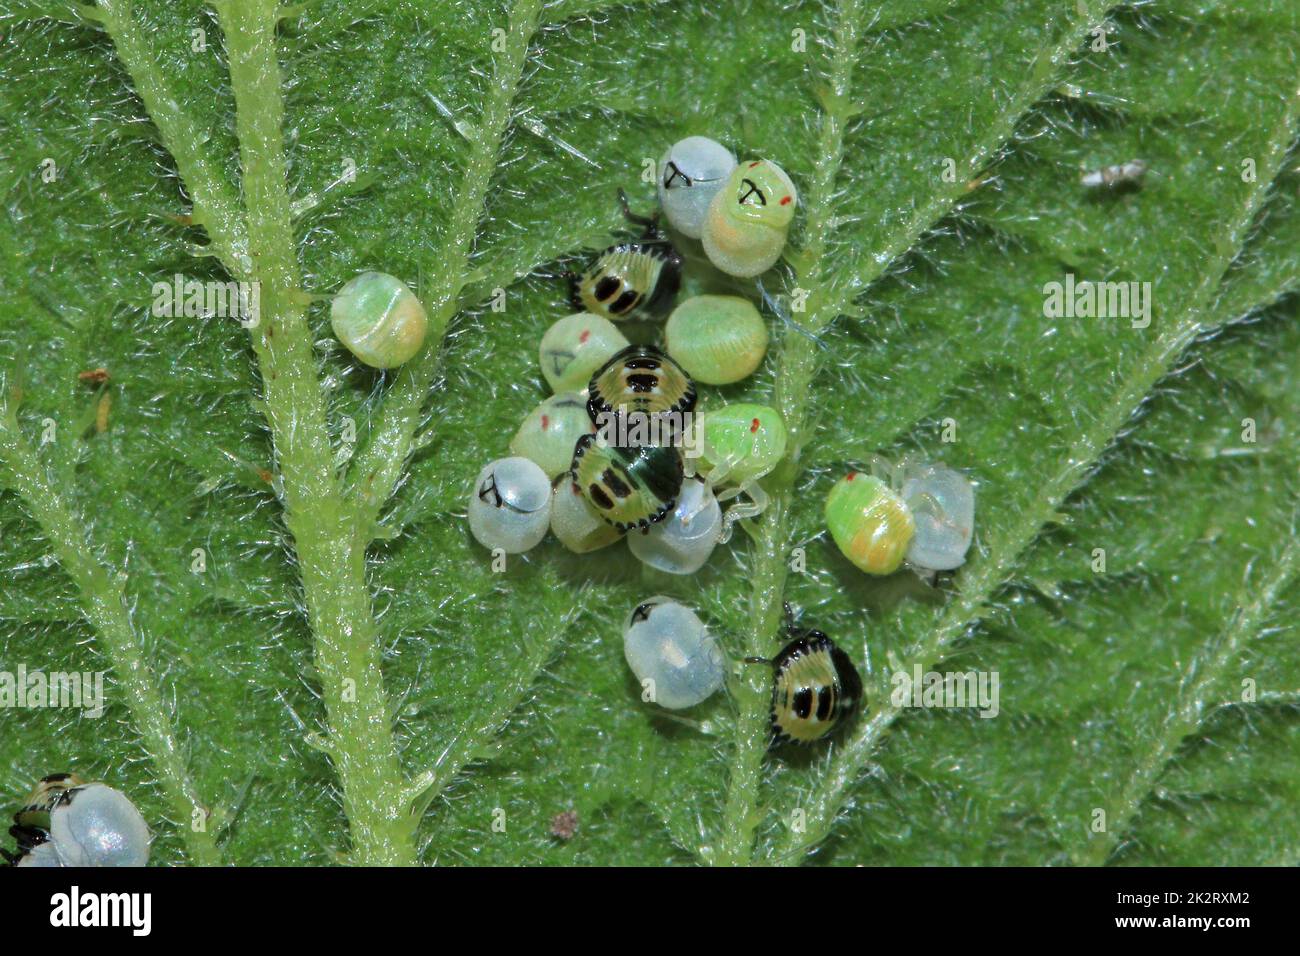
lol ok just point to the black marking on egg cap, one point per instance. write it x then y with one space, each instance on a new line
753 190
675 173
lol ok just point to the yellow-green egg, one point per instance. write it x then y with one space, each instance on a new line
718 339
550 431
379 320
749 218
870 523
575 347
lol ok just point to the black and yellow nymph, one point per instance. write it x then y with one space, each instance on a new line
629 487
640 387
634 279
815 688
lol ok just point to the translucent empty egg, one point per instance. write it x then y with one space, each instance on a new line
683 541
690 173
98 826
550 431
672 654
943 508
510 506
577 525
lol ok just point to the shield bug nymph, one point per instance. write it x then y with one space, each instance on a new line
630 487
634 279
815 687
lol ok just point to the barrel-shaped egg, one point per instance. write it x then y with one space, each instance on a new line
684 540
577 525
99 826
717 339
510 505
748 220
550 431
575 347
870 522
379 320
690 174
942 502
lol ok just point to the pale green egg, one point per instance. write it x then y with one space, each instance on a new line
575 347
550 431
718 339
379 320
749 218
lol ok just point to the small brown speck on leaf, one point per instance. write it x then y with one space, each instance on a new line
564 825
93 376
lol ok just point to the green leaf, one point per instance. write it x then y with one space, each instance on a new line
308 658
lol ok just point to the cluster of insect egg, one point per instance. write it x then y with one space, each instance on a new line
67 822
663 487
741 212
618 451
592 491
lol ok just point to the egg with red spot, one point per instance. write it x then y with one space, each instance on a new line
550 431
749 219
575 347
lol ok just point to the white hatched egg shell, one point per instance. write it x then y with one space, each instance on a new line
943 534
683 541
666 643
510 505
576 523
705 164
99 826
